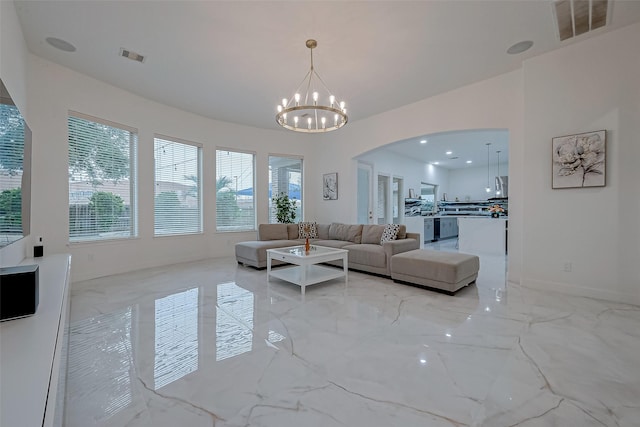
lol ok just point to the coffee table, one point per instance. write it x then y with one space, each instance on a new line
305 270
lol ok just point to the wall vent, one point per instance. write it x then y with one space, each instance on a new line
126 53
575 17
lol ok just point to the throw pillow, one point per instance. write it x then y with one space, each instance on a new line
307 230
390 233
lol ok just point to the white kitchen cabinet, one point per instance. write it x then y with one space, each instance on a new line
428 230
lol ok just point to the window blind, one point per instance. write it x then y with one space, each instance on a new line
178 207
285 176
235 198
11 167
102 198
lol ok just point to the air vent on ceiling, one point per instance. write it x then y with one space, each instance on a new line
575 17
126 53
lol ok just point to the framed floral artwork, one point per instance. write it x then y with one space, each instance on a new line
579 160
330 186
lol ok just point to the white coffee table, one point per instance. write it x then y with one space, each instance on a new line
305 270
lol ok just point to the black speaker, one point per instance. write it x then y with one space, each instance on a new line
19 292
38 251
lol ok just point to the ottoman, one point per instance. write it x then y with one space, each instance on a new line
445 271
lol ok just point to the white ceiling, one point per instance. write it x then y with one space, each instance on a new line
234 60
463 145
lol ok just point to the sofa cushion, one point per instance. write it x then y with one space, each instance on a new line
390 233
292 231
402 232
367 254
323 231
307 230
346 232
273 232
372 233
338 244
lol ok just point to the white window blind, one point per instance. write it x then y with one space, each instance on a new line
285 176
11 167
235 207
178 207
102 198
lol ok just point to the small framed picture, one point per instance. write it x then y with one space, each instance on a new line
579 160
412 193
330 186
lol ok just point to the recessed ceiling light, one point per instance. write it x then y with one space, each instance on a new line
468 161
423 141
520 47
436 163
448 152
61 44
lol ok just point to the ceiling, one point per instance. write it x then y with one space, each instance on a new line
235 60
463 146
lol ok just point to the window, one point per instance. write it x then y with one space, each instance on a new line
102 198
12 135
178 209
285 176
235 201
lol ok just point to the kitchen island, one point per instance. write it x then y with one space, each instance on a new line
482 235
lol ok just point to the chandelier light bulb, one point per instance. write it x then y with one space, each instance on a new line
309 101
279 108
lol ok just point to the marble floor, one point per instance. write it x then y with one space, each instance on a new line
210 343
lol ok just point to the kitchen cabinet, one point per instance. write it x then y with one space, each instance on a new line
428 235
448 227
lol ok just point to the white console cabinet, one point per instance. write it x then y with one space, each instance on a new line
33 354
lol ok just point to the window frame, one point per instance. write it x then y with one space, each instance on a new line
254 156
199 148
133 233
270 212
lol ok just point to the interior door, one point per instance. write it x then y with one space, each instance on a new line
365 193
383 211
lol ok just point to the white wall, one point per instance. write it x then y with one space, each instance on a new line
471 182
58 90
412 171
586 86
491 104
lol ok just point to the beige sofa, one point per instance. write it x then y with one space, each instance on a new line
366 253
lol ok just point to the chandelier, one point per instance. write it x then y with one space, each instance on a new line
309 112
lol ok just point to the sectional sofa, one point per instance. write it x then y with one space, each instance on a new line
367 250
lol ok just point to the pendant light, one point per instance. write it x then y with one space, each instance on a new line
498 179
488 187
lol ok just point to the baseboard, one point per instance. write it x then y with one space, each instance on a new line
581 291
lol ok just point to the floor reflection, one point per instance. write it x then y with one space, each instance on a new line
176 337
234 321
100 364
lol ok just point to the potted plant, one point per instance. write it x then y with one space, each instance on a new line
285 208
